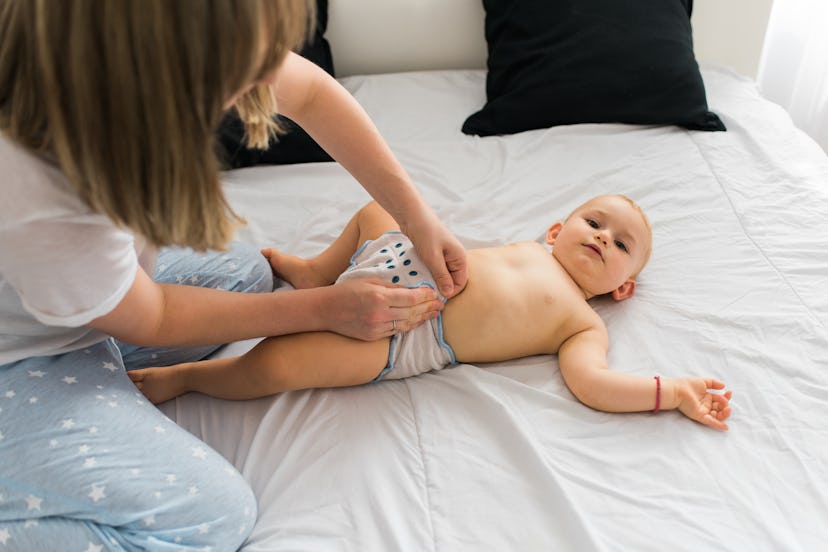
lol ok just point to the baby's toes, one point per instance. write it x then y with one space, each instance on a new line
272 257
137 380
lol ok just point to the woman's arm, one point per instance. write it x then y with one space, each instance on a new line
321 106
583 363
166 315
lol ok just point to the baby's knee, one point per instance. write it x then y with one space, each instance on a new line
371 209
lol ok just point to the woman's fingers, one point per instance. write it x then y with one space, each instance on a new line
440 250
449 268
408 308
414 316
449 271
371 309
401 297
459 273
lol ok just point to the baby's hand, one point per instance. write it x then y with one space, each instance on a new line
697 402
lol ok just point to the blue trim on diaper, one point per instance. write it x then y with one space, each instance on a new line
390 364
393 345
443 342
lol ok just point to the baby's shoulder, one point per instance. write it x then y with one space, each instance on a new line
584 318
586 331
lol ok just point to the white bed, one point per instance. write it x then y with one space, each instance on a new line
502 456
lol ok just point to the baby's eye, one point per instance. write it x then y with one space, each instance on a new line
592 223
621 245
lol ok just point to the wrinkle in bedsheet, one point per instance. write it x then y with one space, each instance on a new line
481 453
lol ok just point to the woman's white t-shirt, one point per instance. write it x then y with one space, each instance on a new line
61 264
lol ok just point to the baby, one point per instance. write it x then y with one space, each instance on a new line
520 300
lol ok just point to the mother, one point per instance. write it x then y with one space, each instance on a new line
107 116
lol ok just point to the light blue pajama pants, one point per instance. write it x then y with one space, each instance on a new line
88 464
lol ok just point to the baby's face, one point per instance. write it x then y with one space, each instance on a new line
602 244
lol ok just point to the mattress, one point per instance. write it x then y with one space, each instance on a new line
502 456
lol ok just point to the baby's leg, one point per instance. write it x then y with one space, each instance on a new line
368 223
277 364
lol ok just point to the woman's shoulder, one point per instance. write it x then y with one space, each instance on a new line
33 186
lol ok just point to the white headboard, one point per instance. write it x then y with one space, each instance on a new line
382 36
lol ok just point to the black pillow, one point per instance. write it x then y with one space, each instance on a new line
560 62
295 145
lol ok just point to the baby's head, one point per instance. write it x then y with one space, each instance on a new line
603 245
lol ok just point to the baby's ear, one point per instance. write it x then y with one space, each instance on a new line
624 291
552 233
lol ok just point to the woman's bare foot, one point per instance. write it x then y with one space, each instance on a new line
159 384
299 272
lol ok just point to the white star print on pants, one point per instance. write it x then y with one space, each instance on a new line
90 465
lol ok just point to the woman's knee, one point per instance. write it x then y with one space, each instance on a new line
241 267
252 269
212 508
177 490
225 513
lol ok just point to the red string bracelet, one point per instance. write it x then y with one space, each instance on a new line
658 394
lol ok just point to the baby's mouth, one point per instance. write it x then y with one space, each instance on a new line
596 249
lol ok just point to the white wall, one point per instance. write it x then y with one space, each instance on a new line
375 36
731 32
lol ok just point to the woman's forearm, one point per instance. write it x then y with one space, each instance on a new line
170 315
197 316
322 107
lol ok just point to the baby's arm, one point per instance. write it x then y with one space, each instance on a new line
583 363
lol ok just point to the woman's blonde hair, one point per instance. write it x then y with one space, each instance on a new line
127 94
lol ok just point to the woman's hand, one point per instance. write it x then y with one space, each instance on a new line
370 309
440 250
697 402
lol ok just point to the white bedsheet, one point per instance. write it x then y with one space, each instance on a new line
503 457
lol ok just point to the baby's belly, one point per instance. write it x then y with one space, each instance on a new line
482 327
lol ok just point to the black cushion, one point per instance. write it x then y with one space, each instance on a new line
559 62
295 145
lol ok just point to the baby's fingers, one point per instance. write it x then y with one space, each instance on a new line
710 421
714 383
719 411
719 403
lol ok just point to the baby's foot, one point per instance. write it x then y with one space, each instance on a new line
299 272
158 384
